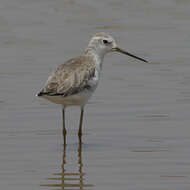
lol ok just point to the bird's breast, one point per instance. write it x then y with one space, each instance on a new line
93 82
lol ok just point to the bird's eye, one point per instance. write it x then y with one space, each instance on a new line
106 42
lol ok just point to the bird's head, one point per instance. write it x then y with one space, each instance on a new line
104 43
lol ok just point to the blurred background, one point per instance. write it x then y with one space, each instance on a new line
136 126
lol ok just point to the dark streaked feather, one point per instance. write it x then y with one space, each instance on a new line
70 78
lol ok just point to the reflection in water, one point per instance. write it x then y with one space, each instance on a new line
69 180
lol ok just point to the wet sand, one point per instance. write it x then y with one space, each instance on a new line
136 126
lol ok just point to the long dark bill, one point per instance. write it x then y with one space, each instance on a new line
129 54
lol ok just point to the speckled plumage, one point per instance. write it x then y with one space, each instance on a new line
74 77
70 78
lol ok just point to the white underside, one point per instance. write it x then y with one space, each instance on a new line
79 99
75 100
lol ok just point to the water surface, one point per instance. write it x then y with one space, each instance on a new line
136 126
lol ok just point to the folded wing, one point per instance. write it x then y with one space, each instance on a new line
70 78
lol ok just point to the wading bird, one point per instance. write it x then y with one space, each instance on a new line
73 82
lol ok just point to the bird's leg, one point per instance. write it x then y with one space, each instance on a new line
64 132
80 124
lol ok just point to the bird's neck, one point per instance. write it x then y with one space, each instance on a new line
96 56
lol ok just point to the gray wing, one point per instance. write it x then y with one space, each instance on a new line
70 77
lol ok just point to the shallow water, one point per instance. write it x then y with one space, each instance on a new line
136 126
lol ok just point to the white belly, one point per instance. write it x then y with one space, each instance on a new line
79 99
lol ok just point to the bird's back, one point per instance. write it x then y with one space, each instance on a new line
70 77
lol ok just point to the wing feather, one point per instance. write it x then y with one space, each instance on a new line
70 77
